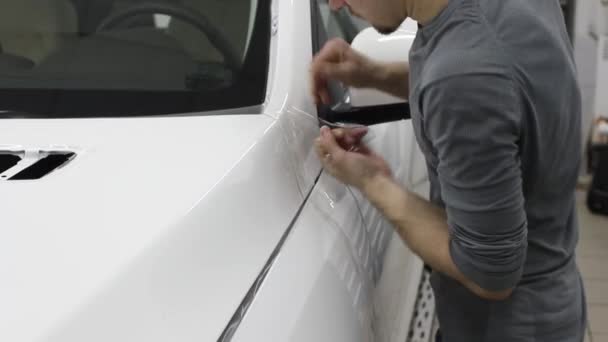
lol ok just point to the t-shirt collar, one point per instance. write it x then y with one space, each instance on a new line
435 23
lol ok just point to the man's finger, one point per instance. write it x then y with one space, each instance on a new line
315 83
318 82
357 133
319 92
329 143
348 137
339 133
319 148
324 156
325 97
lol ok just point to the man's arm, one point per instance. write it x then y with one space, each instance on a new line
392 78
473 124
423 226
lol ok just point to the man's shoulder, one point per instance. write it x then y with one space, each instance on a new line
454 64
465 71
468 45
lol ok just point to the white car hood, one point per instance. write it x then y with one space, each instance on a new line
66 237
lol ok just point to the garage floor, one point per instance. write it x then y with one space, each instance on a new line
593 261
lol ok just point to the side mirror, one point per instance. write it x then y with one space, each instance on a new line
370 106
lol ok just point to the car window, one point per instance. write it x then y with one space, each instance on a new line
132 57
338 24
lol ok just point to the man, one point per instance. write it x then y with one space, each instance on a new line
496 111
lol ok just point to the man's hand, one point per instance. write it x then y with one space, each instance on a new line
338 61
347 159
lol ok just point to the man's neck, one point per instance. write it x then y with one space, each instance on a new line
423 11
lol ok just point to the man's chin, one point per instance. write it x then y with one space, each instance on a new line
385 30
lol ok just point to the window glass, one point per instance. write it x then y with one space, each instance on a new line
339 24
131 57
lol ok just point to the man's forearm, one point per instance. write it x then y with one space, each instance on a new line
423 227
392 78
420 224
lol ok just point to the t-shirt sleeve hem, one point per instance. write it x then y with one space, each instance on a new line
497 281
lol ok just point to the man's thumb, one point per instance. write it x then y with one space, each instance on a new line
357 133
329 142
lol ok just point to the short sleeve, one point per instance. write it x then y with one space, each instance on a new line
473 125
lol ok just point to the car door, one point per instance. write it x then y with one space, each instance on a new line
342 274
394 265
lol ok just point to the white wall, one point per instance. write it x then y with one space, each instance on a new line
581 19
585 52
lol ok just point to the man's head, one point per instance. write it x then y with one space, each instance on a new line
384 15
387 15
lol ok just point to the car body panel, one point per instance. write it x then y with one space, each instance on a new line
318 289
128 241
160 227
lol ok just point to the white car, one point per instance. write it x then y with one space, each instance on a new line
158 180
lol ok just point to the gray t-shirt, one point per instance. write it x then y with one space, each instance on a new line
496 110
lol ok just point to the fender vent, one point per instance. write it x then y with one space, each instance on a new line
44 166
17 163
7 161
